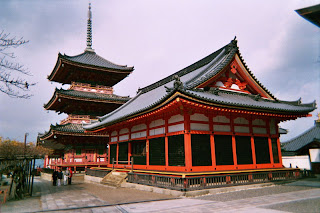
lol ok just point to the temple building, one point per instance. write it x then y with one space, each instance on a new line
211 116
91 79
303 151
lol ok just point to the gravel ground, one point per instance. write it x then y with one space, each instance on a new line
120 195
249 193
310 205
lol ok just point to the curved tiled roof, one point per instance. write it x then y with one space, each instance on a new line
93 95
309 136
89 96
91 58
70 128
250 101
194 75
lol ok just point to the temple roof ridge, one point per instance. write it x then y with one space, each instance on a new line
182 84
202 62
92 58
303 139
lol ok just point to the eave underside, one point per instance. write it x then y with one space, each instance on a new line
179 103
73 72
82 106
62 140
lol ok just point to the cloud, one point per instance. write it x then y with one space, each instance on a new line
159 38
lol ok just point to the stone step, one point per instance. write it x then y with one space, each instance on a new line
114 178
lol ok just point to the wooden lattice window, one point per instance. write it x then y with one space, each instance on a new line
176 150
223 149
201 150
157 151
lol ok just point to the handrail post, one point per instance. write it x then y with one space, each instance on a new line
112 163
131 164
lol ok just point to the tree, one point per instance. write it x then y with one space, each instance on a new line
9 83
17 159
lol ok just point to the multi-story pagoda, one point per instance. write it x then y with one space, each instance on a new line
91 79
213 116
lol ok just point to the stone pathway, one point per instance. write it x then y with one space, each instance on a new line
300 196
255 204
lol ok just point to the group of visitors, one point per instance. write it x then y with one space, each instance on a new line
58 175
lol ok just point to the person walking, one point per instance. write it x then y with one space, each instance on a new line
70 176
60 175
65 176
54 177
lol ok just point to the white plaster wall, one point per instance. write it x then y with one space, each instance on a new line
113 139
259 130
303 161
123 137
221 119
272 126
314 155
157 131
221 128
176 128
123 131
259 122
175 118
139 134
241 120
155 123
138 127
242 129
199 117
196 126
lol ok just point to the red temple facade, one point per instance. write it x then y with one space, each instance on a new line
213 115
91 79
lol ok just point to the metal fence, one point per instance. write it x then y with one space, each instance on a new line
97 173
206 182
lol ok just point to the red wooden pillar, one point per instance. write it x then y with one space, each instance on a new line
117 153
45 161
147 142
109 160
213 151
234 152
166 146
270 151
147 151
254 161
166 151
269 142
187 142
279 151
129 151
212 145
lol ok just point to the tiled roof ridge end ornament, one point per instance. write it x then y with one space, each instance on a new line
89 31
177 84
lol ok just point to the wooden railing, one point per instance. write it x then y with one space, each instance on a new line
206 182
97 173
123 163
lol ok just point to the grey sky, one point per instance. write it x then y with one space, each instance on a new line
159 38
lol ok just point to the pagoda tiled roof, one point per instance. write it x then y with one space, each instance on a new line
91 58
307 137
88 67
88 96
194 75
67 129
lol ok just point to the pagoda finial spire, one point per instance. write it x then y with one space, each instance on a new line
89 31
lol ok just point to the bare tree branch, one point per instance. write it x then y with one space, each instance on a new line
12 86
